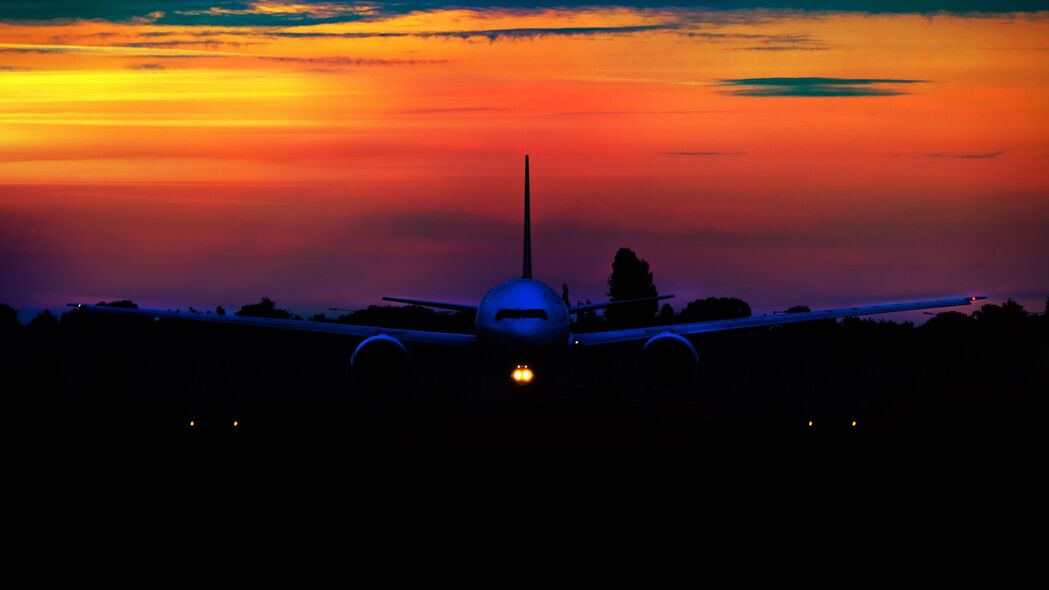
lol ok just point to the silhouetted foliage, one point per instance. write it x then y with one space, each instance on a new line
9 323
715 308
948 323
1009 312
43 329
265 308
219 310
666 315
411 317
587 321
811 332
125 303
630 278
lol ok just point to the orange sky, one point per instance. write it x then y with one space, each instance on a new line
325 165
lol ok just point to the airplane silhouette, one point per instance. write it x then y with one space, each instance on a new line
523 319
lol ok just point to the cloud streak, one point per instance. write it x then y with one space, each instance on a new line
487 34
244 13
813 87
167 53
702 154
962 156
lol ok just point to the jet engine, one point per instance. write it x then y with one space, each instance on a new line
381 359
668 362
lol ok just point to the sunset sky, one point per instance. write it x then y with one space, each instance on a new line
196 152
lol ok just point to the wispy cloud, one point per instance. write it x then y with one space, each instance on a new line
784 48
167 53
703 154
486 34
255 13
451 111
627 113
815 87
965 156
110 50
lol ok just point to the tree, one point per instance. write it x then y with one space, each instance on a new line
715 308
799 309
8 319
265 308
630 278
1009 312
125 303
43 328
666 314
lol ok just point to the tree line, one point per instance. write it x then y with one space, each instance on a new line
631 277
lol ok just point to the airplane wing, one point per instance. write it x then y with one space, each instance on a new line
604 304
628 335
414 336
436 304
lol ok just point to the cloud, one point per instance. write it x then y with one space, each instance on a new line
451 110
490 34
963 156
308 12
147 66
166 53
639 112
703 154
334 61
783 48
815 87
108 50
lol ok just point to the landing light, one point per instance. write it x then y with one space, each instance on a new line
236 423
192 423
854 424
522 374
810 423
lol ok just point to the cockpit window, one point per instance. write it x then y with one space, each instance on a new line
515 314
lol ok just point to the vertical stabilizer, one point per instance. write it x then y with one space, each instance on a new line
527 270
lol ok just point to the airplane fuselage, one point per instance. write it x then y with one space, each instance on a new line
523 316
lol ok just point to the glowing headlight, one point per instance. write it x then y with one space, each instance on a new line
522 374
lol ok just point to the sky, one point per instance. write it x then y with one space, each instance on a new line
817 152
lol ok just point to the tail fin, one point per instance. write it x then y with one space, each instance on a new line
527 270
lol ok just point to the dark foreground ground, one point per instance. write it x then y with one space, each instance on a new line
587 480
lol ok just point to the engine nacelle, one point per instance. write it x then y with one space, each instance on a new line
381 360
668 362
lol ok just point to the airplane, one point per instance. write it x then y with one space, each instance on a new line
522 319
